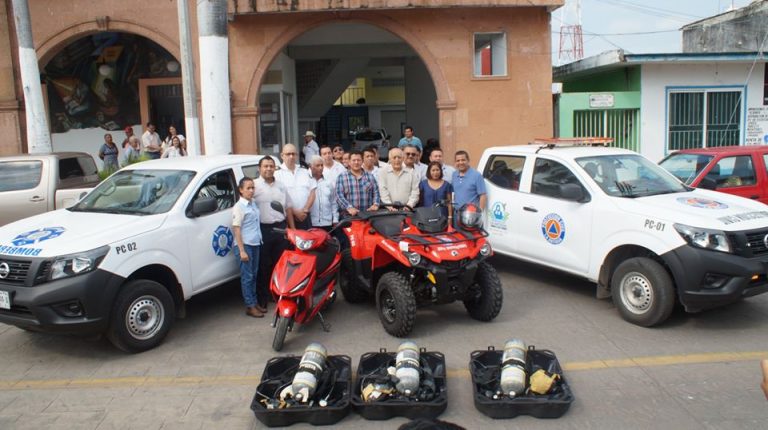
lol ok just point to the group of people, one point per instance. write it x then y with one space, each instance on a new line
133 147
336 185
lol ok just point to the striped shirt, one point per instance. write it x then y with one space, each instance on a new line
359 193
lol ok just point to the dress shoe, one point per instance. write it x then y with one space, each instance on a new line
262 309
253 312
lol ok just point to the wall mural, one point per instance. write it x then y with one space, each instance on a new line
94 81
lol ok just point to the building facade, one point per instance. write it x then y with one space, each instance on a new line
474 73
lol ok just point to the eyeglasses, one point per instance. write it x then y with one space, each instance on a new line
410 154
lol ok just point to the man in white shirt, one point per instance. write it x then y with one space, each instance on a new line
411 156
297 181
436 156
331 168
310 146
324 211
397 184
370 161
150 142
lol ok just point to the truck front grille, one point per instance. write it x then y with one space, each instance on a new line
17 272
756 241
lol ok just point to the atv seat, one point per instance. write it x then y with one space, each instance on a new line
388 225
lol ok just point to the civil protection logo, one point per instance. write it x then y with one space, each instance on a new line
698 202
222 241
553 229
36 236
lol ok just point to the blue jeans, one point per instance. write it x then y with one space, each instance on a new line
248 271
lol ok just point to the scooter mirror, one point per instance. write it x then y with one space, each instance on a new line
275 205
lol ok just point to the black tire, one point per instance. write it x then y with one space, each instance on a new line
141 317
643 291
396 304
281 329
353 292
488 297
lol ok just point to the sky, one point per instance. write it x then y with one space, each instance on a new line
613 24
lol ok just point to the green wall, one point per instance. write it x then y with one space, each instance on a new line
625 79
570 102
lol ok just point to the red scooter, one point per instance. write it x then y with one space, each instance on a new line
304 279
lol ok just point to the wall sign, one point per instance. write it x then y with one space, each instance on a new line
757 126
601 100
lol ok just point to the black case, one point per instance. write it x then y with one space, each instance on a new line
314 415
389 408
539 406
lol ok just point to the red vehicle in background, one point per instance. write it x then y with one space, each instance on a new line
407 260
737 170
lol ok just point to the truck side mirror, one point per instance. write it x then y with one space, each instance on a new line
573 192
202 206
708 184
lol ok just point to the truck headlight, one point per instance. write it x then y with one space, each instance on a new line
714 240
76 264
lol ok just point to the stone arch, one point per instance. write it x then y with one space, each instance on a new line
443 91
51 46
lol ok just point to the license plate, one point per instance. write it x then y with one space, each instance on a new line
5 300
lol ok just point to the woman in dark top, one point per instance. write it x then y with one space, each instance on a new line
434 189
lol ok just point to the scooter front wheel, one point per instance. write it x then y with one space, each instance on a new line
280 332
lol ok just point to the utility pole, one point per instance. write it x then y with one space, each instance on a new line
571 38
38 134
214 75
191 120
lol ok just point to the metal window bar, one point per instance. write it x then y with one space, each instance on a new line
723 118
618 124
704 119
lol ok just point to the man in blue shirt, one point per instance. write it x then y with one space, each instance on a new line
468 183
410 139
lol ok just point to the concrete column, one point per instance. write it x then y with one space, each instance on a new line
191 119
38 134
214 75
420 97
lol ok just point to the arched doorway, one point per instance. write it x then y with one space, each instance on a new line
107 81
340 78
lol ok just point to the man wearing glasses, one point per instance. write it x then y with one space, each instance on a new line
298 182
412 157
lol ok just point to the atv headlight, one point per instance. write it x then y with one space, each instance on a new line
76 264
714 240
303 244
485 250
413 258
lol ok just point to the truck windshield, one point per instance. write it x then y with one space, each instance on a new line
629 175
136 192
686 167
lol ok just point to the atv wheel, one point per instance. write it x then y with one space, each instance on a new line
280 332
486 297
396 304
643 291
353 292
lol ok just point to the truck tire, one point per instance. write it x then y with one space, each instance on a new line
281 329
353 292
486 304
141 317
396 304
643 291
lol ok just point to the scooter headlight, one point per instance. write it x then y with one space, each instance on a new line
413 258
303 244
486 250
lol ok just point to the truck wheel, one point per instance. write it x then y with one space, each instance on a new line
141 316
643 291
280 332
353 292
484 303
396 304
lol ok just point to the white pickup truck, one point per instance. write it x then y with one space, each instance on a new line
33 184
613 217
125 258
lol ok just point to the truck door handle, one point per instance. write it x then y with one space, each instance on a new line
530 209
36 199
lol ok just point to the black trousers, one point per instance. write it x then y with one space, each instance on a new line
273 245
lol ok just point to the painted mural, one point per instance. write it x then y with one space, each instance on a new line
94 81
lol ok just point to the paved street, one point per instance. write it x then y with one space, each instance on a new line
697 371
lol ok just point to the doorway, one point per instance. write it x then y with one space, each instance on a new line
161 101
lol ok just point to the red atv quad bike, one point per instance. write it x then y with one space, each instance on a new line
408 260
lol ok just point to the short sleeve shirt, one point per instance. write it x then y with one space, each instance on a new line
245 215
267 193
467 188
299 184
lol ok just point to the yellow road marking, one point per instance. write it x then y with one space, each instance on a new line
149 381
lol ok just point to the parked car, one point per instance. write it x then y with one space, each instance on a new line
619 220
377 137
125 258
33 184
737 170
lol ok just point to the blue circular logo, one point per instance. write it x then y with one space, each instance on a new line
37 236
553 229
222 241
698 202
